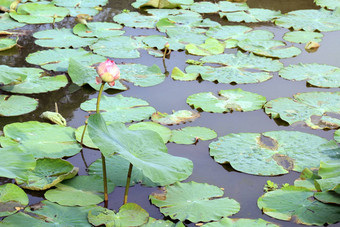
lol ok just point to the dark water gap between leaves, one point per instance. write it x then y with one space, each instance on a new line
171 95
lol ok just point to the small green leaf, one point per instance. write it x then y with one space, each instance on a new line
303 37
6 44
178 74
210 47
15 105
12 199
190 135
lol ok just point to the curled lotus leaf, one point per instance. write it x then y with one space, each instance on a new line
46 174
292 201
238 222
316 74
41 139
12 199
330 176
54 117
98 29
120 109
303 36
318 110
15 105
273 153
307 179
310 20
35 13
130 214
229 100
194 202
252 15
177 117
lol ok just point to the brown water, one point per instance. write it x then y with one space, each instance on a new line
171 95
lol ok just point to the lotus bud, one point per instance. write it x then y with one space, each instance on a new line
167 45
108 72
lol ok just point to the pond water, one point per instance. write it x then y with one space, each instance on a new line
171 95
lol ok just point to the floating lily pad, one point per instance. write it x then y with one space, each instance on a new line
269 48
316 74
185 35
330 176
120 109
313 108
230 100
328 197
22 219
329 4
79 191
190 135
130 214
178 74
6 22
12 199
193 201
239 222
273 153
61 38
210 47
252 15
35 13
136 20
303 36
159 42
204 7
227 6
161 3
163 131
58 59
117 47
161 223
117 169
255 35
98 29
144 149
6 44
177 117
15 105
14 162
291 201
46 174
310 20
33 80
41 139
81 7
227 31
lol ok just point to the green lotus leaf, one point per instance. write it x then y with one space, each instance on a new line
5 4
144 149
98 29
120 109
204 7
136 20
161 223
12 198
14 162
191 135
210 47
337 135
161 3
6 22
58 59
291 201
273 153
81 7
82 74
226 6
310 20
252 15
303 37
307 179
15 105
227 31
311 108
178 74
329 4
79 191
117 47
130 214
177 117
61 38
41 139
316 74
328 197
47 173
185 35
179 17
330 176
163 131
117 169
33 81
230 100
255 35
22 219
239 222
193 201
86 140
159 42
269 48
6 44
35 13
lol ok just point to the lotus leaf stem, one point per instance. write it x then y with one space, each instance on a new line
128 179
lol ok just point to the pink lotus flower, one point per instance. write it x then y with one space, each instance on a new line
108 72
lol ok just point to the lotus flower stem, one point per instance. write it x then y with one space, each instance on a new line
106 197
128 179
